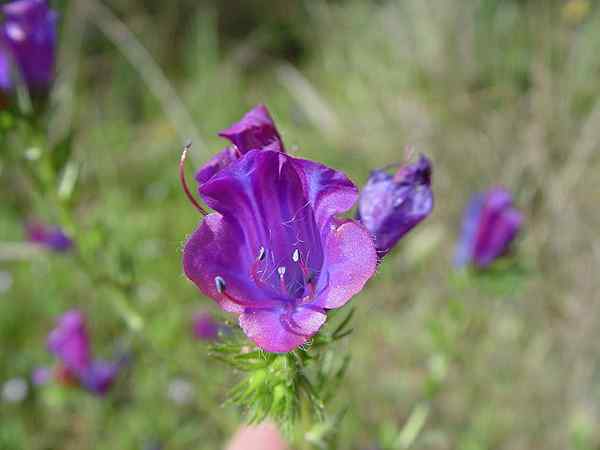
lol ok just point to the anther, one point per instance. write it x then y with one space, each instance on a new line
261 254
296 256
281 272
220 284
184 184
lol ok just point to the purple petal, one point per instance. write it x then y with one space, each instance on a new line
217 249
29 34
281 331
255 131
489 226
205 327
69 341
350 259
216 164
498 226
470 225
99 377
5 83
391 206
329 191
41 375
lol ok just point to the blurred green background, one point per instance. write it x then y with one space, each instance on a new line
494 91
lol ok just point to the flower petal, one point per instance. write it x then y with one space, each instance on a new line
100 376
329 191
350 260
469 227
217 249
279 331
29 32
496 229
69 341
506 228
255 131
216 164
391 206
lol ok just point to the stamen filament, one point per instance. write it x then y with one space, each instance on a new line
184 184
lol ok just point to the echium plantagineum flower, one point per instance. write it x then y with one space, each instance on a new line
274 251
70 343
27 45
490 224
392 205
50 237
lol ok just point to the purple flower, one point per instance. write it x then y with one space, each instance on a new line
70 343
53 238
41 375
391 205
274 251
27 44
205 327
489 225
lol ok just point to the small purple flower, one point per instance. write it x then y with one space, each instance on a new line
53 238
41 376
70 343
274 251
205 327
489 226
27 44
392 205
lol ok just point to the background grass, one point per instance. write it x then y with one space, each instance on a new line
494 91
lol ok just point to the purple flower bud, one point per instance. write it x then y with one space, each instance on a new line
274 251
69 342
27 44
205 327
255 131
392 205
53 238
489 226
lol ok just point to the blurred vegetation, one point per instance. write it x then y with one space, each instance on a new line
495 91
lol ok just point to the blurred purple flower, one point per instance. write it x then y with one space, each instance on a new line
274 251
391 205
27 44
53 238
70 343
206 328
489 226
41 376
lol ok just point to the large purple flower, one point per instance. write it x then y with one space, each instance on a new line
27 44
70 343
274 251
52 238
391 205
489 226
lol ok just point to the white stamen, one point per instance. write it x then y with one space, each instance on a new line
281 271
261 254
296 256
220 284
